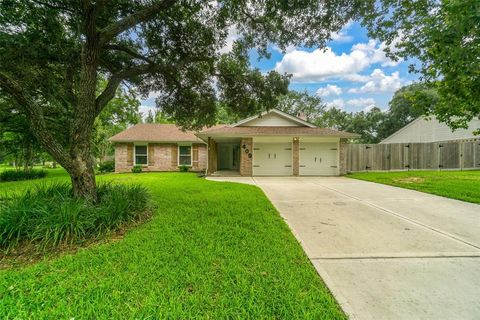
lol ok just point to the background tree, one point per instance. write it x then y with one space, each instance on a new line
407 104
444 36
150 118
17 144
53 53
119 113
301 104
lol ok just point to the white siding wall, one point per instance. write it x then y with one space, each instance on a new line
423 130
272 120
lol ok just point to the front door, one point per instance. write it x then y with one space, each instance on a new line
228 156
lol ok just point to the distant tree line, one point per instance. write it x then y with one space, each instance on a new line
374 125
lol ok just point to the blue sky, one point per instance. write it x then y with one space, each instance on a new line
353 72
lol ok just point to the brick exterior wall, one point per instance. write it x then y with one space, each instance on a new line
161 157
121 158
246 165
296 156
199 158
342 170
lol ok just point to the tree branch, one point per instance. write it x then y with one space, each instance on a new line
36 120
115 81
128 51
111 31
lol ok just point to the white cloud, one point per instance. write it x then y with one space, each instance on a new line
336 103
380 82
369 108
232 36
288 49
319 65
144 109
329 90
342 36
361 102
376 52
356 78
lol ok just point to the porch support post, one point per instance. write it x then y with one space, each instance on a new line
212 156
296 156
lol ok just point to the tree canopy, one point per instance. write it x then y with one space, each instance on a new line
444 37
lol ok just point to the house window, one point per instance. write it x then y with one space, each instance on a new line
185 155
141 155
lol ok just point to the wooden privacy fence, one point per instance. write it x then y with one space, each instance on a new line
460 155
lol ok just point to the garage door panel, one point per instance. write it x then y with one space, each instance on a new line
272 159
318 159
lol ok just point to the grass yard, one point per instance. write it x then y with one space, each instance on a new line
212 251
461 185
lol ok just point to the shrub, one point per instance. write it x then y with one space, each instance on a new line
137 169
49 216
107 166
16 175
183 168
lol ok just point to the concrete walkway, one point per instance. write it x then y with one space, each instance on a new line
384 252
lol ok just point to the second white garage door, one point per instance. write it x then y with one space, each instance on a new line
272 159
318 159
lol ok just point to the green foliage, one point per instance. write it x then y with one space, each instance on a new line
107 166
302 104
213 250
183 168
137 169
49 216
407 104
16 175
444 36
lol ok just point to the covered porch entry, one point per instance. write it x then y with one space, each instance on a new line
224 156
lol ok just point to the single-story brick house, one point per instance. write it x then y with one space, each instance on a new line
271 144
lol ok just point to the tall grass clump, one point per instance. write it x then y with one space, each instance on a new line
17 175
48 216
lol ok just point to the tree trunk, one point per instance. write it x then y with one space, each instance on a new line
83 180
82 171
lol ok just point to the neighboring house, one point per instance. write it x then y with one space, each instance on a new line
425 129
271 144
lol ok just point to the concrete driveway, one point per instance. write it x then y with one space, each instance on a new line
384 252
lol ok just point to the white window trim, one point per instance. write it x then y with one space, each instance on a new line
135 154
191 154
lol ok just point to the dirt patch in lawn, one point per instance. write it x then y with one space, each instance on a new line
410 180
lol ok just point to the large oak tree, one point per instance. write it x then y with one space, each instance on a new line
53 53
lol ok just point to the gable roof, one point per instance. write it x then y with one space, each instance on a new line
226 131
278 113
153 132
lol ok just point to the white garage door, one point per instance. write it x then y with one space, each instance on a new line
272 159
318 159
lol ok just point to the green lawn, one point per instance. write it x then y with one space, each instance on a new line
212 251
461 185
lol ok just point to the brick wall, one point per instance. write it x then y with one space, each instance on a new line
121 158
161 157
343 157
245 161
296 156
199 157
